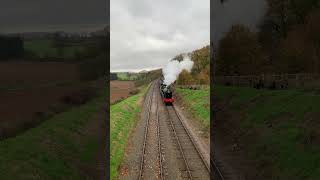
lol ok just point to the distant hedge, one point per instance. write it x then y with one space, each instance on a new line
113 76
11 47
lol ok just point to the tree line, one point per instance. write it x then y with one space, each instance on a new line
11 47
287 41
200 72
92 61
97 56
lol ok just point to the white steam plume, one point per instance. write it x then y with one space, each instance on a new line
172 70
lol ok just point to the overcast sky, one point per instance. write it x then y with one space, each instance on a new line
52 15
146 34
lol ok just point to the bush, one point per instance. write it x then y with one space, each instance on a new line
30 55
79 97
299 51
134 92
11 47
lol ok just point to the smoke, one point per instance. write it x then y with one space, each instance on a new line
172 70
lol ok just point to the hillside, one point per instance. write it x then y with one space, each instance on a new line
145 77
70 145
197 103
200 73
273 134
286 41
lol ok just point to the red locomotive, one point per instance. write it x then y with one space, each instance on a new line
166 94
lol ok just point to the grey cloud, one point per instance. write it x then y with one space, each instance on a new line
147 34
33 14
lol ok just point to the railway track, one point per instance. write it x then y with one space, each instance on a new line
195 165
192 164
151 129
148 103
162 176
216 172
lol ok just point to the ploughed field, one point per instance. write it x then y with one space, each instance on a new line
120 90
23 74
33 91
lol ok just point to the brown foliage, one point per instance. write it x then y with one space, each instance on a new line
185 78
200 72
239 52
300 50
203 77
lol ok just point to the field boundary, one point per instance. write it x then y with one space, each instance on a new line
272 81
121 126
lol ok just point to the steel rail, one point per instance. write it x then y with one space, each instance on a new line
217 169
146 133
180 147
159 140
215 166
192 140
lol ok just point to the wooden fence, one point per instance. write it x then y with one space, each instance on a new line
272 81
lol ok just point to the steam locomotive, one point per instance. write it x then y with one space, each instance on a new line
166 93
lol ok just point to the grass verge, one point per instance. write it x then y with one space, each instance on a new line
123 116
59 148
282 127
198 103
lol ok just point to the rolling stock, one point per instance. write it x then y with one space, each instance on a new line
166 93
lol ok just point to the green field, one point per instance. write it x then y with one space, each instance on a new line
44 48
282 126
123 117
59 148
198 103
125 76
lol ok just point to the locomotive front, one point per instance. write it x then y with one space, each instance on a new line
166 94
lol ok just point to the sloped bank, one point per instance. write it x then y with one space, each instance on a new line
66 146
197 103
123 117
268 134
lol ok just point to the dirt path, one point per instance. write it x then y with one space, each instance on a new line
179 157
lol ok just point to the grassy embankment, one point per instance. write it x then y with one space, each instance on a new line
282 126
59 148
123 116
198 103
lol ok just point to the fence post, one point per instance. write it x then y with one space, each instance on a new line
233 84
